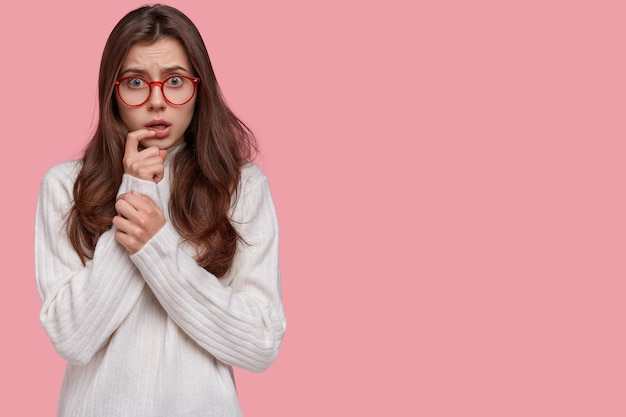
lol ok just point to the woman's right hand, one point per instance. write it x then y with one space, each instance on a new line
146 164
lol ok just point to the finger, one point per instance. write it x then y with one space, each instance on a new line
158 175
145 168
127 241
126 232
133 139
122 224
153 164
154 158
125 209
153 172
132 205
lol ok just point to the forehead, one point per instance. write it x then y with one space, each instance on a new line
164 53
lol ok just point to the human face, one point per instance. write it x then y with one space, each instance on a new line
156 62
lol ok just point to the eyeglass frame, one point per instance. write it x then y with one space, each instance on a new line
161 84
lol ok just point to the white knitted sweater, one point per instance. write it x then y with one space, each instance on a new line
154 334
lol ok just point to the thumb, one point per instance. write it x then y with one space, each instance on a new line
163 153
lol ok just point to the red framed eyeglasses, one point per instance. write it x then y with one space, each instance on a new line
177 90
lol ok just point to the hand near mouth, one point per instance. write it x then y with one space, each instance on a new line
146 164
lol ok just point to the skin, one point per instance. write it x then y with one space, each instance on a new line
139 218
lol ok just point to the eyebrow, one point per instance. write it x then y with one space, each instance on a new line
166 70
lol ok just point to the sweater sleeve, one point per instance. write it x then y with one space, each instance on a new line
82 305
241 324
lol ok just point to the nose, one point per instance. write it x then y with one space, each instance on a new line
156 101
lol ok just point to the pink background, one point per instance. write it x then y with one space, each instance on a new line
449 178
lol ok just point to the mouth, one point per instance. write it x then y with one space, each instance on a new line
160 127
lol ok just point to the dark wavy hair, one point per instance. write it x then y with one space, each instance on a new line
205 173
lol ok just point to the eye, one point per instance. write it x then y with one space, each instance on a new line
135 83
175 81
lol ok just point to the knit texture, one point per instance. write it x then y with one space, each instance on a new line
154 334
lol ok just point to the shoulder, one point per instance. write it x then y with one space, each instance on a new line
253 192
251 174
57 190
62 175
253 180
68 169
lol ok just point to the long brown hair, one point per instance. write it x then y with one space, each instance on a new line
205 172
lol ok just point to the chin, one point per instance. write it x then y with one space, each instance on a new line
164 143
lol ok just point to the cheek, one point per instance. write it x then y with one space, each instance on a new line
188 114
126 115
121 109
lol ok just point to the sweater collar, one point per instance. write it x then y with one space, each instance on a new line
171 153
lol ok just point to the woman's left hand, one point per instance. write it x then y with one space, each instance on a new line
138 220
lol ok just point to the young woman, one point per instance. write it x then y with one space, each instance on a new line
157 252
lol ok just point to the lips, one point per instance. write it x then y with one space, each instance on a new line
160 127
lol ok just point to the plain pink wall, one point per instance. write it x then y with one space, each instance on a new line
449 178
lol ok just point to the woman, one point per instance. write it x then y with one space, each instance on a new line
157 252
